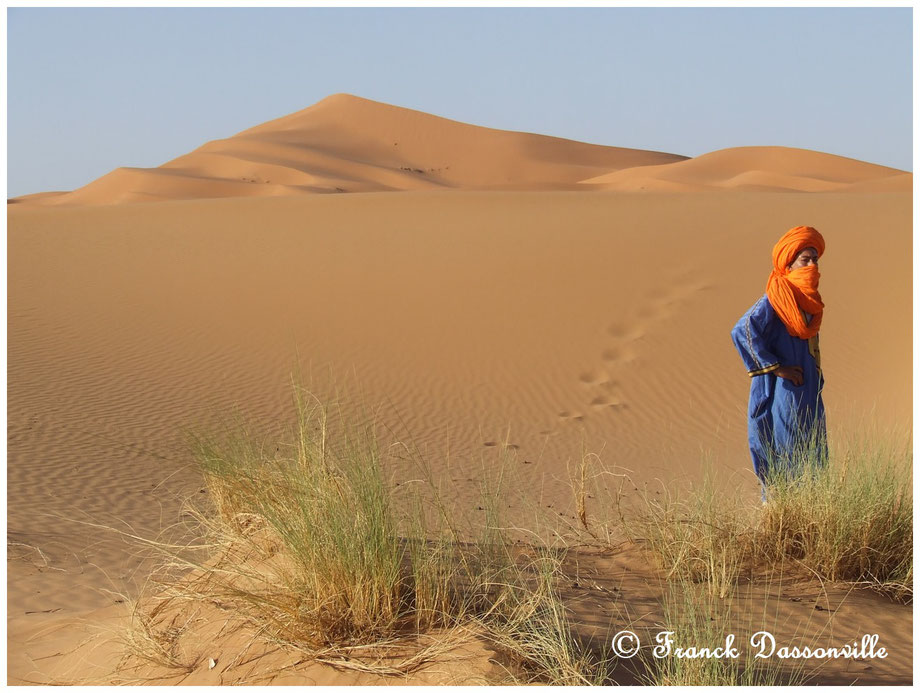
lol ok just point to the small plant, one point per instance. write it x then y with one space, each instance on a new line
696 643
704 537
848 519
843 515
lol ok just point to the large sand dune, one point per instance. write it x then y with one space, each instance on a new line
348 144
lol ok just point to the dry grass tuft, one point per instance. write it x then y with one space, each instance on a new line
847 520
312 547
705 537
844 517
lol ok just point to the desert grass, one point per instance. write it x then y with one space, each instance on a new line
842 515
598 496
703 536
848 518
695 638
695 622
311 545
538 639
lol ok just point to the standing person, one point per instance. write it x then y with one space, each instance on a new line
778 342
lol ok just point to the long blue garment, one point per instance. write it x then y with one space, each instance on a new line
782 417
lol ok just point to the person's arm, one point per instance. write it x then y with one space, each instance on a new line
793 373
750 335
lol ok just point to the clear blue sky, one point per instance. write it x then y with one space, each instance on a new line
93 89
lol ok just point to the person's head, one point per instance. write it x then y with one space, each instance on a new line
800 247
805 258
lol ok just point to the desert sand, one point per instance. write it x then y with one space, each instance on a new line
481 289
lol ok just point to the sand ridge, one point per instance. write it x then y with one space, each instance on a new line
765 169
347 144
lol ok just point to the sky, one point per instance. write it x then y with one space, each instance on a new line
90 90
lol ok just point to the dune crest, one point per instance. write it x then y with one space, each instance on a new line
348 144
345 143
773 169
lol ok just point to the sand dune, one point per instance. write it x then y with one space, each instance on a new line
779 169
903 182
346 144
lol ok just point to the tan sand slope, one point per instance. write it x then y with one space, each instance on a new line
348 144
767 169
210 644
541 319
561 315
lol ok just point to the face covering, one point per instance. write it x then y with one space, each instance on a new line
792 291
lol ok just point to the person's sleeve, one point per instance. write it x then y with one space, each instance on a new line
750 336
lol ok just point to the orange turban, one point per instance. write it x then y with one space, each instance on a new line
791 292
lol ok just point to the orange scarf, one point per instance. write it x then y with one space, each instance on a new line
791 292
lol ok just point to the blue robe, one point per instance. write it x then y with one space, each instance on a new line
782 417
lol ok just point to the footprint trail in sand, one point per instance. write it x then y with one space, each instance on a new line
624 349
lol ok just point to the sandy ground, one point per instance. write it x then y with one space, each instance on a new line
541 320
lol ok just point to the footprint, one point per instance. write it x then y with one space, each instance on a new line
606 402
617 330
672 299
663 303
626 332
594 377
686 288
507 446
617 355
568 416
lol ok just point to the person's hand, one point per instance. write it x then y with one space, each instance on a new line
793 373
